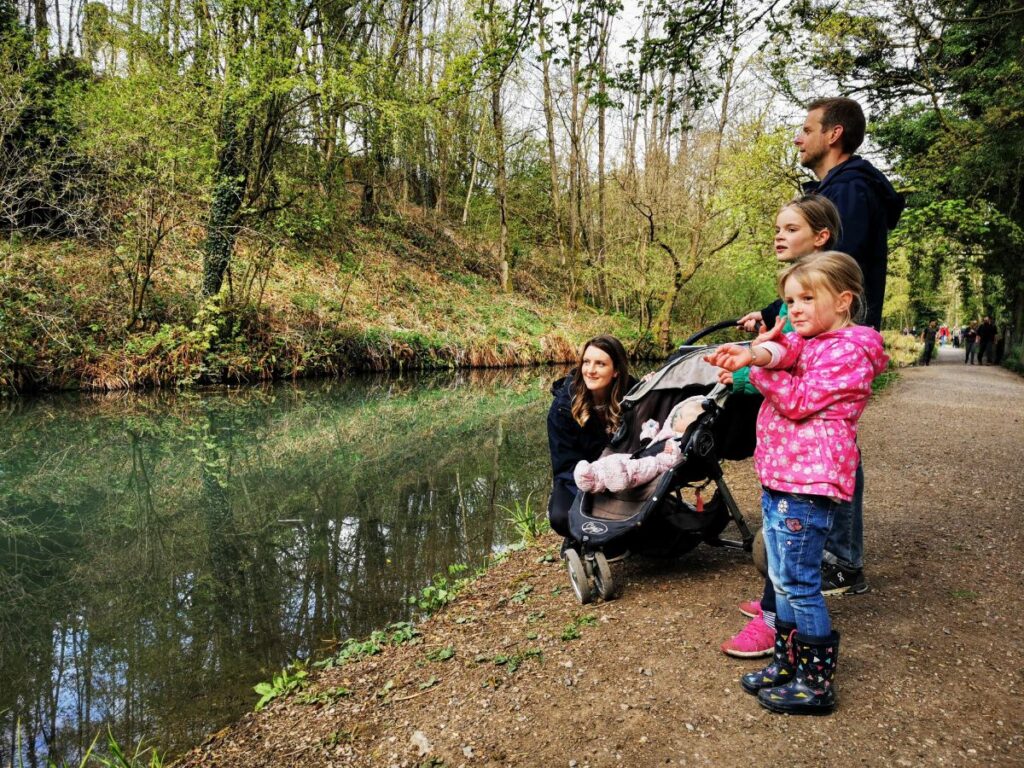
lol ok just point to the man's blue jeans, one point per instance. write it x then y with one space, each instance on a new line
845 544
795 528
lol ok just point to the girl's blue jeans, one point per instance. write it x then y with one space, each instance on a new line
795 529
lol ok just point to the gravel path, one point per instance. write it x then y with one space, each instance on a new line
931 666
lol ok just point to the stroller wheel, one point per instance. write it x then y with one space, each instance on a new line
603 577
760 553
578 576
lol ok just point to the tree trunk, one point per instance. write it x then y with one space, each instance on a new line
229 187
42 28
472 174
549 124
602 109
500 182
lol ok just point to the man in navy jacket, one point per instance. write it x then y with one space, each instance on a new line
868 205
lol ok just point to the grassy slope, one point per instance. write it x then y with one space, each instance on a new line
402 294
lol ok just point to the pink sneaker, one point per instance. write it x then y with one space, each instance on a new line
755 639
751 608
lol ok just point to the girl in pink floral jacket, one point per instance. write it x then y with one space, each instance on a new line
816 383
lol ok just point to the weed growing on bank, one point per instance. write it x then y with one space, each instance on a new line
116 756
528 522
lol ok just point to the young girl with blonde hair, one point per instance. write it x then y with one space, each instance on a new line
816 383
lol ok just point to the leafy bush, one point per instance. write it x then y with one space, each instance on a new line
46 187
441 590
291 678
398 633
37 326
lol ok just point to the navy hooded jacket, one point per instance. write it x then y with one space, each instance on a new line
869 208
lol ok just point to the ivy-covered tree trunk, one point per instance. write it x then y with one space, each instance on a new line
228 190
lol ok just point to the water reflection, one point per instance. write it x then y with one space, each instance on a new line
160 554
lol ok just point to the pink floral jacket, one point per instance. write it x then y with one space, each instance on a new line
813 397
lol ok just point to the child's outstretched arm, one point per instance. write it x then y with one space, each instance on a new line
733 357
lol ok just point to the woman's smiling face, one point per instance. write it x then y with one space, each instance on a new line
598 370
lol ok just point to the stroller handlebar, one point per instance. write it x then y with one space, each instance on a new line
709 330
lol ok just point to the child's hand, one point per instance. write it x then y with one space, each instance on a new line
731 357
749 321
770 335
725 378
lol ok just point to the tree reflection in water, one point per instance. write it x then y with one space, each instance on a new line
160 554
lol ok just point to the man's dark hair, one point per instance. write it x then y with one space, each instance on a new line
845 112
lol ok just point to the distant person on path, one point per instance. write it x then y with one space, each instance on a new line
928 337
970 342
986 339
816 383
869 208
582 418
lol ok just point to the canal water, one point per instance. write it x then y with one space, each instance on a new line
161 553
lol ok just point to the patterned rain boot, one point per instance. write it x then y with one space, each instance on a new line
782 668
811 691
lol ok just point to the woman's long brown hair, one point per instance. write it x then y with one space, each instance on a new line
583 405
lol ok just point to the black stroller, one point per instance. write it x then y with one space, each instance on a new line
671 514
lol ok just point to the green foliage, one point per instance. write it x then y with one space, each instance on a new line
45 186
398 633
687 45
115 757
441 654
521 594
529 523
441 590
572 629
118 758
902 349
512 661
430 682
291 678
1014 359
946 243
37 324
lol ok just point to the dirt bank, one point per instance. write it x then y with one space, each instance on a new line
931 667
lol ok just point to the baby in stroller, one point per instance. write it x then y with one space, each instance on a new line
618 471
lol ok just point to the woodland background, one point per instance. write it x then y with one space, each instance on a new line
235 190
